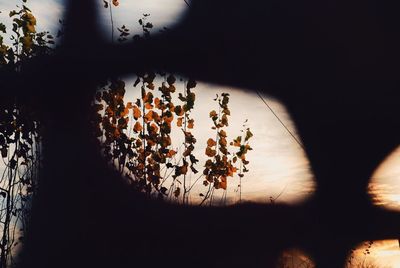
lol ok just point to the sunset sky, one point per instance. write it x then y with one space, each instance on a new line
278 165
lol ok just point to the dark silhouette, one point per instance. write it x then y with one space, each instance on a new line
334 64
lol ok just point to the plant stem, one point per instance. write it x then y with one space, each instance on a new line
112 21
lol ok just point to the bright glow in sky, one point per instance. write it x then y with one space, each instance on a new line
47 12
294 258
278 165
163 13
383 253
385 183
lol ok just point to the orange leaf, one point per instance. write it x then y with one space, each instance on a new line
191 123
157 103
136 112
115 3
149 116
222 141
125 112
222 133
171 153
237 141
156 117
213 113
137 127
211 142
179 122
129 105
184 169
178 110
154 127
210 152
148 106
223 183
224 120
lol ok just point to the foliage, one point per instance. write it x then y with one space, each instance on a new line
20 132
136 136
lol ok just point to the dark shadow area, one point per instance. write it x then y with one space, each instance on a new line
334 64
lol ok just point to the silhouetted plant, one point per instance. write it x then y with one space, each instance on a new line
136 136
20 132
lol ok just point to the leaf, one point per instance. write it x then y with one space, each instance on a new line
148 106
226 111
213 114
149 116
163 190
178 110
181 97
224 120
190 123
2 28
171 79
210 152
191 84
154 128
222 141
211 142
248 135
137 127
157 103
237 142
195 171
223 183
179 122
125 112
184 169
13 163
171 153
115 3
136 82
177 192
4 152
129 105
136 112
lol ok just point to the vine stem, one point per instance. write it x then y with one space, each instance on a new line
112 21
185 129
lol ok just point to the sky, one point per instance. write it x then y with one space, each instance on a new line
278 165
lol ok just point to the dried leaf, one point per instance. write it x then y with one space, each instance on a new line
213 114
190 123
137 127
171 153
211 142
210 152
179 122
136 112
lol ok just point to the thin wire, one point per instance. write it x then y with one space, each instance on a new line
186 3
280 121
